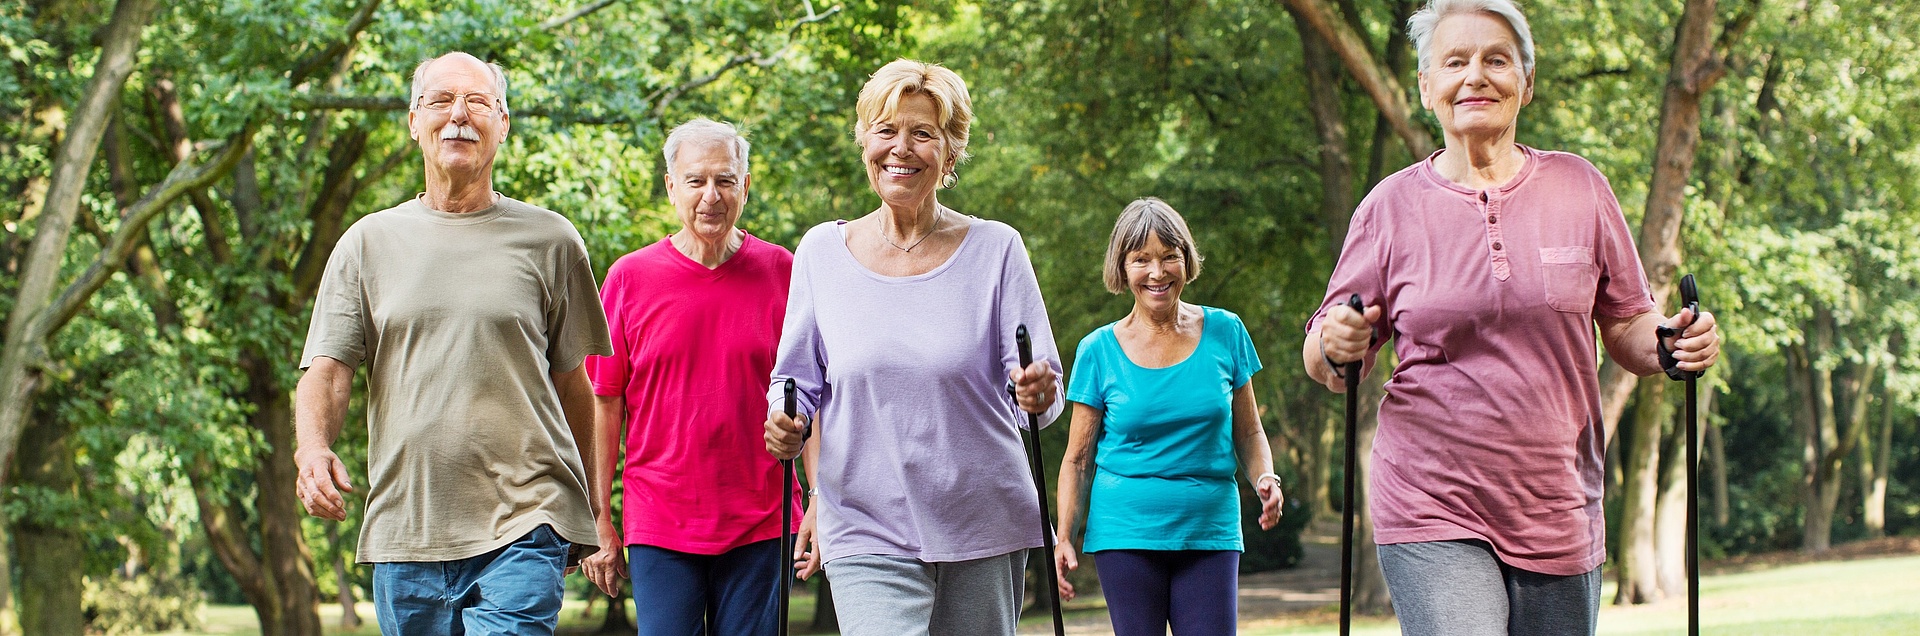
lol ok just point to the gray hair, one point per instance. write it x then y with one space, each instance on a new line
1420 25
702 129
1147 217
420 76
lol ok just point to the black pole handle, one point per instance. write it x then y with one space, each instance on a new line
1690 300
1352 369
786 516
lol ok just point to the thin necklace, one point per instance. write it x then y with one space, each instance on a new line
916 243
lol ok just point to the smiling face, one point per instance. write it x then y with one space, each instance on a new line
458 144
1156 274
1474 83
707 188
907 155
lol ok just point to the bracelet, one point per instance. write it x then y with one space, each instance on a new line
1256 480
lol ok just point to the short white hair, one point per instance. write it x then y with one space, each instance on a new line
1420 25
701 129
420 76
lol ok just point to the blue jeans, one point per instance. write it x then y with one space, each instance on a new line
683 594
514 591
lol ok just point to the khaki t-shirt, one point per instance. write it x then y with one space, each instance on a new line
460 320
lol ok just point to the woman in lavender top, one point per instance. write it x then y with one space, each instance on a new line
899 335
1488 266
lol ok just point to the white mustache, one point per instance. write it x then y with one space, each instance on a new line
457 131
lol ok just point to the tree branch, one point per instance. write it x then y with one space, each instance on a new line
1388 96
184 178
359 22
576 14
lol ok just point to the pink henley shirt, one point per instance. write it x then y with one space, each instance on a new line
1490 428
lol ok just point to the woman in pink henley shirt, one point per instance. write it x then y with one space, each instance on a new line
1487 265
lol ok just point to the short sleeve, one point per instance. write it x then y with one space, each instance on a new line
1087 386
609 373
1623 289
1246 359
576 324
339 328
1362 270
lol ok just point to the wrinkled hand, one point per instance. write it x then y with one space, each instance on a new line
784 435
1066 559
1270 499
806 547
1346 334
321 478
1034 387
1698 347
608 567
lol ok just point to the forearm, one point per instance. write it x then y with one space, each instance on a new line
320 403
1250 439
1631 342
1073 494
1316 363
609 420
577 406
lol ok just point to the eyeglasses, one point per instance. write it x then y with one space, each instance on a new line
439 100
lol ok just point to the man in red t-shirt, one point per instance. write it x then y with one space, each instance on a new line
695 320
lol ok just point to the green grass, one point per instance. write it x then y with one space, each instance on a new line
1876 596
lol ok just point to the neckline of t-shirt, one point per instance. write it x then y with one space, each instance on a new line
688 262
840 241
1205 313
1526 170
475 217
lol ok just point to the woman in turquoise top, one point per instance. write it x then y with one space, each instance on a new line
1162 405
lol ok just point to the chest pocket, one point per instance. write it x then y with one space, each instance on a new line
1570 279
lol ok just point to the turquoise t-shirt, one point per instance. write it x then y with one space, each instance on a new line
1163 461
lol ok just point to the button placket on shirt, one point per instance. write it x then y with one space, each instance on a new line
1496 245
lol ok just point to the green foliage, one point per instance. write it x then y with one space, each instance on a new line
147 603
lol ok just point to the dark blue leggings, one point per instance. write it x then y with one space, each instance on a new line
1197 592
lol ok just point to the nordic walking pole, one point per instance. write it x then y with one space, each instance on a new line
1352 375
1689 299
786 518
1040 483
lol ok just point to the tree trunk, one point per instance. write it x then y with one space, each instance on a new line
1881 451
1323 100
1670 518
1698 64
1370 593
824 616
342 581
283 547
50 580
1379 83
1717 459
1821 438
1638 571
27 326
616 621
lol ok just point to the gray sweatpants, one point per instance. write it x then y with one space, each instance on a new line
900 596
1458 588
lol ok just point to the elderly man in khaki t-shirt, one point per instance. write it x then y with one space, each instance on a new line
472 313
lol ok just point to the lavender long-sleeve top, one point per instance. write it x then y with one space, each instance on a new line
919 444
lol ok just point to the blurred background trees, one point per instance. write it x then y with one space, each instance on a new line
175 174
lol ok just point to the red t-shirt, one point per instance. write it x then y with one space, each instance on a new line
1490 428
693 349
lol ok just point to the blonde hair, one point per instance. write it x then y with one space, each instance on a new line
880 99
1148 217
